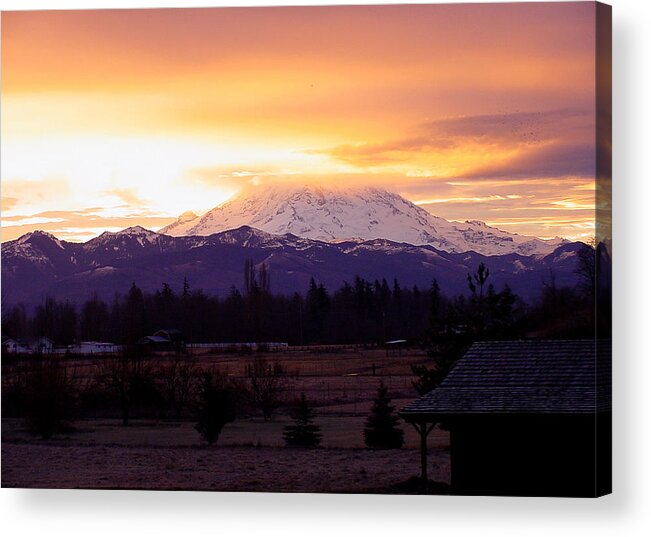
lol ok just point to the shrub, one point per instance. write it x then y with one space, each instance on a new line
216 406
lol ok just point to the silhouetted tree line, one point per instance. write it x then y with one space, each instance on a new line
360 311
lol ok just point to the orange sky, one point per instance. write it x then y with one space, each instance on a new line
476 111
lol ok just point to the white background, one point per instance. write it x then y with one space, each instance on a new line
626 512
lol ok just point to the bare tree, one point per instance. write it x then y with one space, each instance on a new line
266 383
128 376
179 379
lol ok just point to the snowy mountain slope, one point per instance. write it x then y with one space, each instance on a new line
362 213
179 227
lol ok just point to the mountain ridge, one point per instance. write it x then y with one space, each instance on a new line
38 264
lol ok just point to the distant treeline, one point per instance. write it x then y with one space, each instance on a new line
360 311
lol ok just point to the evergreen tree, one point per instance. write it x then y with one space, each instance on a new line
67 324
317 302
216 408
397 291
250 283
136 324
265 280
186 287
382 429
446 340
304 432
56 320
95 320
436 301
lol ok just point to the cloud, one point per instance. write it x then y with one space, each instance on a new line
541 206
529 128
474 199
22 193
127 195
29 220
8 203
77 225
534 144
235 177
554 160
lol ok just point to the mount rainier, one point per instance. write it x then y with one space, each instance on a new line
334 214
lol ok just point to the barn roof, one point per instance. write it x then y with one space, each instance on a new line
533 376
171 334
154 339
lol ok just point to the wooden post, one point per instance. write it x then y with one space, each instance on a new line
423 454
423 431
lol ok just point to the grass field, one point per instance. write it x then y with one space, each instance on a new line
250 453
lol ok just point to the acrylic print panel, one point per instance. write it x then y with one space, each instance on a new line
308 249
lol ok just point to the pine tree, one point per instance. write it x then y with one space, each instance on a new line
186 287
136 322
382 429
216 407
304 432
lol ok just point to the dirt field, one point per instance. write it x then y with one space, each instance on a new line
250 454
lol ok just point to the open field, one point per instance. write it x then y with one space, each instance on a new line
264 469
250 456
250 453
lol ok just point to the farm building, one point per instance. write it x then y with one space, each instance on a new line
94 347
526 418
395 347
9 345
171 334
36 345
241 347
164 340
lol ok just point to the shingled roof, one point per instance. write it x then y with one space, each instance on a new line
532 376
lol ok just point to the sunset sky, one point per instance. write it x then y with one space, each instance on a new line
117 118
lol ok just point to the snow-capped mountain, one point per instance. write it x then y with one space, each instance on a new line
361 213
38 264
123 243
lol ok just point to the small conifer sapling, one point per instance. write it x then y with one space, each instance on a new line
382 430
303 432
